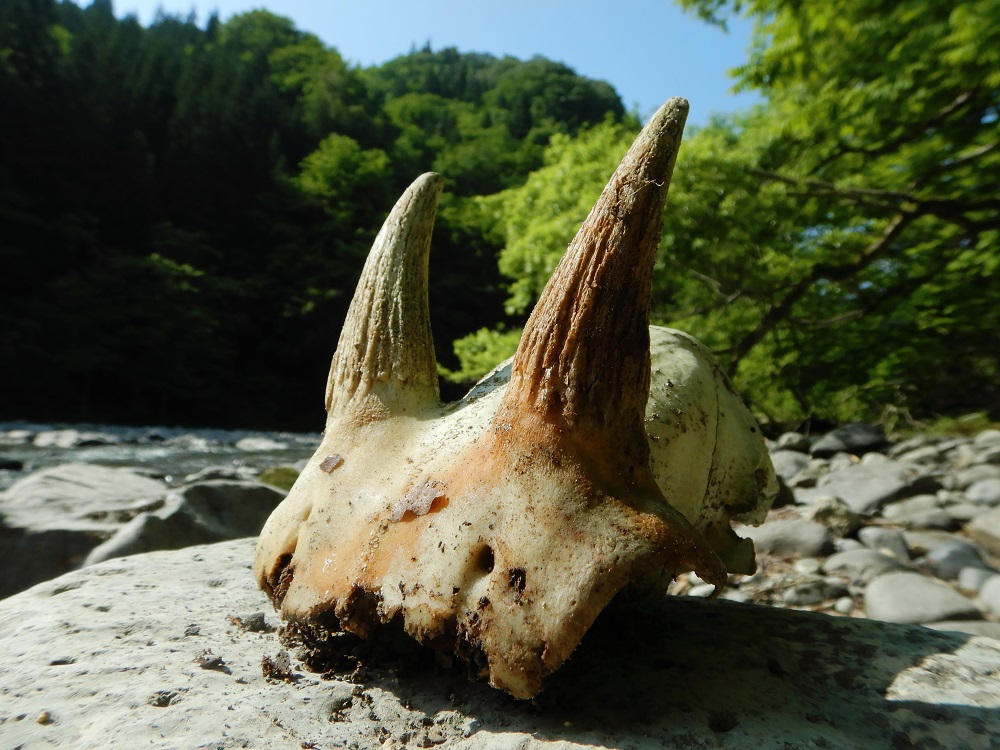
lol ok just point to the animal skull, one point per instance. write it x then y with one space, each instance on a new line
498 527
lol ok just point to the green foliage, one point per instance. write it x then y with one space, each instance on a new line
480 352
185 210
836 246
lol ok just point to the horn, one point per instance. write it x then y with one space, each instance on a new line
584 354
384 363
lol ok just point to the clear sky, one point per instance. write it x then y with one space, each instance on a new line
647 49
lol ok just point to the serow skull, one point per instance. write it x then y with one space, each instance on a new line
605 455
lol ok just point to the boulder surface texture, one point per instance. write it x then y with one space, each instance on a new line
141 652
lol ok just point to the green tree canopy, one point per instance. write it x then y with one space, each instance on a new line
835 245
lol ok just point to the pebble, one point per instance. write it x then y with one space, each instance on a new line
947 560
795 537
835 514
885 540
914 598
985 530
844 605
971 579
984 492
862 565
989 594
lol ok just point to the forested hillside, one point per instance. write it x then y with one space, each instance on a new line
184 209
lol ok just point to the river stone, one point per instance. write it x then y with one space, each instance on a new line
53 518
856 438
967 477
989 594
984 492
987 437
986 531
793 441
913 598
877 538
788 463
868 487
795 537
861 565
971 579
947 560
197 514
972 627
141 652
835 514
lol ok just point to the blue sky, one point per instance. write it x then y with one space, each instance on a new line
647 49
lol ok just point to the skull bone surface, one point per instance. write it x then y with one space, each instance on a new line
605 455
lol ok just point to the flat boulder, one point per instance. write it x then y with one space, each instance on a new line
50 520
165 650
202 513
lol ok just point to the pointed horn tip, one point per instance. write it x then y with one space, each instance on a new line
428 181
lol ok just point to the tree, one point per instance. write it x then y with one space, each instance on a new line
872 167
836 245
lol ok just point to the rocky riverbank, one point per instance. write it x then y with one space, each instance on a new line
905 531
171 648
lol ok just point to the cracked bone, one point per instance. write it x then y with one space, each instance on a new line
605 455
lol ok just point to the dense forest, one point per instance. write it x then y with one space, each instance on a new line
185 209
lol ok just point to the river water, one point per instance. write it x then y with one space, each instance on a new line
171 454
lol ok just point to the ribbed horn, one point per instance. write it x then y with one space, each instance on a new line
584 356
384 363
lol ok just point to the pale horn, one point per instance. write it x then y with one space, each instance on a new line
499 527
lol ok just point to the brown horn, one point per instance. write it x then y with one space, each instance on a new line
384 363
584 355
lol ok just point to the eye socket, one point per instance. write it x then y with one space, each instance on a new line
485 560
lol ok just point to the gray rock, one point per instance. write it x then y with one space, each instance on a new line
835 514
913 598
810 474
987 437
197 514
861 565
971 579
910 506
260 443
877 538
843 545
989 456
812 592
868 487
969 476
989 594
788 463
853 438
928 454
920 542
795 537
808 566
844 605
972 627
793 441
929 519
53 518
965 512
905 446
110 652
984 492
986 531
947 560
